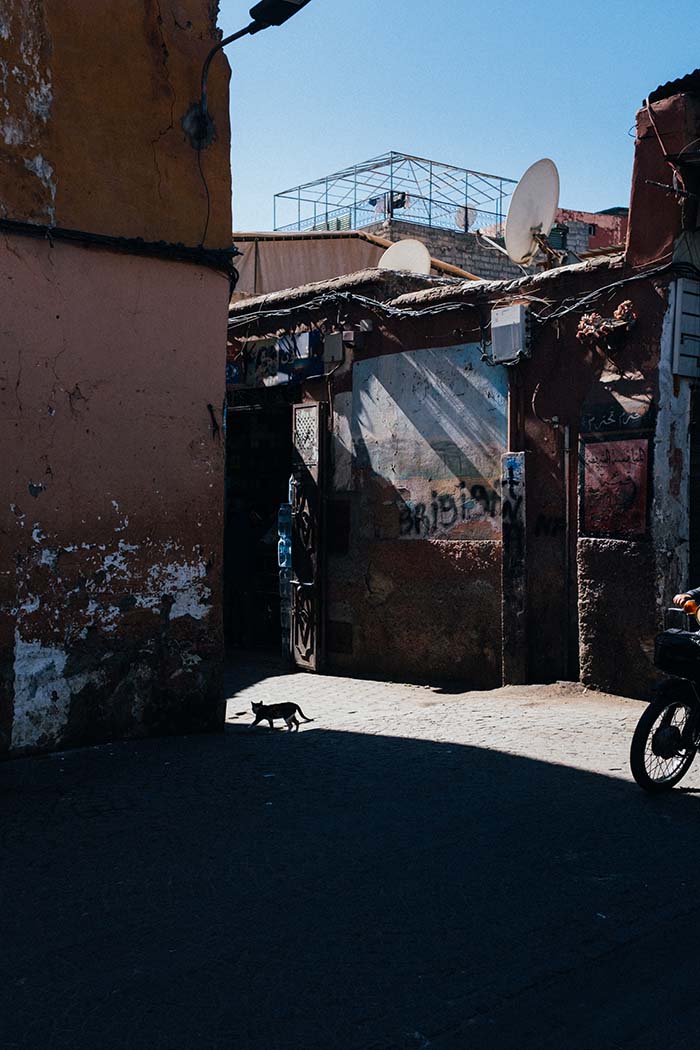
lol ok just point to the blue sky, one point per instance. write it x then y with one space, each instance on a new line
491 87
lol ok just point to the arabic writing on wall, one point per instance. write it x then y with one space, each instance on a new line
615 475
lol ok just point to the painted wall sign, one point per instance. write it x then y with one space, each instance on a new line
428 430
615 485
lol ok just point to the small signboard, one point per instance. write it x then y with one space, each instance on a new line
615 487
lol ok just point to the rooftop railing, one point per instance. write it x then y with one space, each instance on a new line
399 186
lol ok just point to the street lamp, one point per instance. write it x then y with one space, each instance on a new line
197 123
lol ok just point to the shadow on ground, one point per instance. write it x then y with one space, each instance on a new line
274 891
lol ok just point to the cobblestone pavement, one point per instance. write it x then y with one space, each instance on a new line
416 868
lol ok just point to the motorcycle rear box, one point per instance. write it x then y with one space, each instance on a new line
678 652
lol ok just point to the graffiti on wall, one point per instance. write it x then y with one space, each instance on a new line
428 430
447 510
615 485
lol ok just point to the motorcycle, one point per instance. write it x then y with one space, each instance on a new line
667 736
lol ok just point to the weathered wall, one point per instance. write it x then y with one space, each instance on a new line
90 134
618 615
429 427
110 501
460 249
417 445
677 121
468 252
608 398
590 230
671 501
111 511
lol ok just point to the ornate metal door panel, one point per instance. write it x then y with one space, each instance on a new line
309 430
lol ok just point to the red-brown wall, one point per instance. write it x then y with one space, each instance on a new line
111 499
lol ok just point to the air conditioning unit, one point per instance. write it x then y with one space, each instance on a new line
510 333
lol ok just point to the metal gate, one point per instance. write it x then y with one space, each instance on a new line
308 437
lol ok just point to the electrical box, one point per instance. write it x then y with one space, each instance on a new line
354 339
333 347
686 329
510 333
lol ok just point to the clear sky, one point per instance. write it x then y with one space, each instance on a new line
489 86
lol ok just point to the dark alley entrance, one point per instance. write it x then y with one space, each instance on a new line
258 467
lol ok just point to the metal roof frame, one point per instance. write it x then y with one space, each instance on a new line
433 191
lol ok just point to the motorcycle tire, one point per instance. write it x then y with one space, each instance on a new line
654 772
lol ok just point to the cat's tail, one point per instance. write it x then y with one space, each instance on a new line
303 715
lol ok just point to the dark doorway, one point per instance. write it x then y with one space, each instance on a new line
258 466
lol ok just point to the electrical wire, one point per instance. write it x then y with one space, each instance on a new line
371 305
205 124
206 190
664 151
216 258
560 308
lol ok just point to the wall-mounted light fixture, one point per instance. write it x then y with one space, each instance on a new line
197 123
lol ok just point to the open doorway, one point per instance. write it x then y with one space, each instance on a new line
258 467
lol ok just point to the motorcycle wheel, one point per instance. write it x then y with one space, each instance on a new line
663 746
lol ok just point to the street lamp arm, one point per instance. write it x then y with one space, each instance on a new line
251 28
197 123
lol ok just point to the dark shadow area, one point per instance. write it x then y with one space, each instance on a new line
244 668
278 891
258 465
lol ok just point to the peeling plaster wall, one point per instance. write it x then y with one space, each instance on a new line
111 497
670 508
417 445
26 80
428 429
112 488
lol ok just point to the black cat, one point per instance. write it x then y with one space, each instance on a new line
287 711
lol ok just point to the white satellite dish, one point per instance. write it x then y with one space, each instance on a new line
532 210
409 255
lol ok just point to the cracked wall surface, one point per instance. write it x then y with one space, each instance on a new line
111 492
111 497
92 96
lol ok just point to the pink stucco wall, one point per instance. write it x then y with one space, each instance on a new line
110 495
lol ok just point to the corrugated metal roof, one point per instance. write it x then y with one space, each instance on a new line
689 84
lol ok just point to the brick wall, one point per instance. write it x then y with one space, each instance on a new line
460 249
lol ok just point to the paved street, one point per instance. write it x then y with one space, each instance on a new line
417 869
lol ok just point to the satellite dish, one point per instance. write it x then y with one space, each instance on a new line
465 218
532 210
408 255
